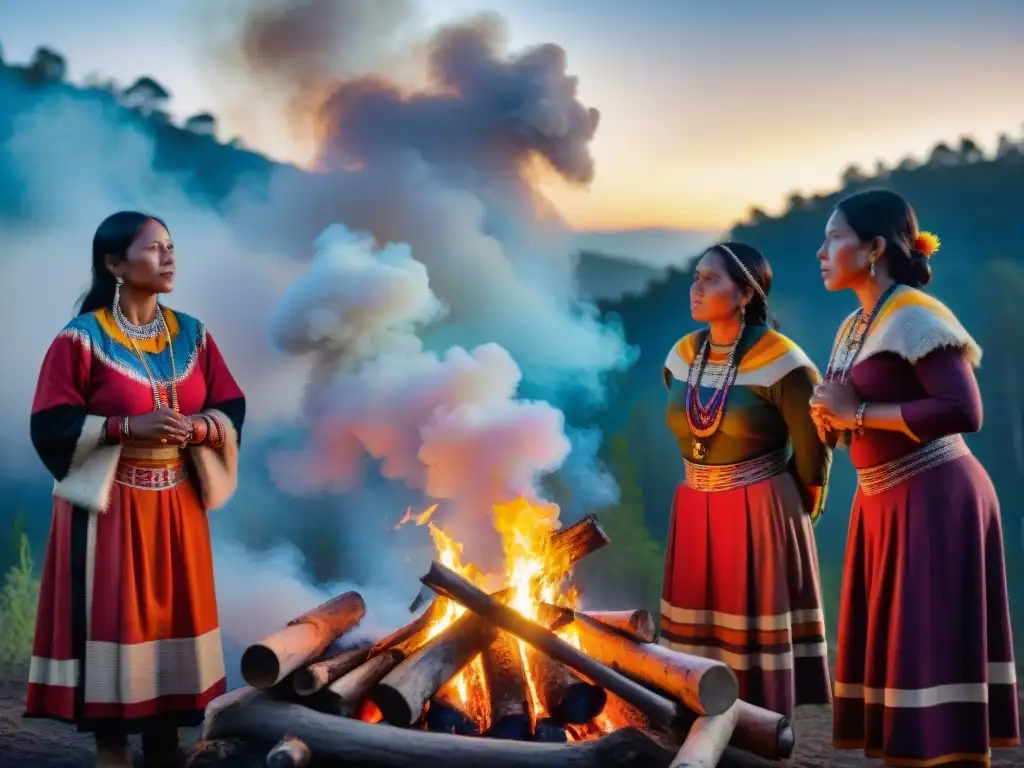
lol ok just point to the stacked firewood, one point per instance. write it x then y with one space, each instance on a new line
616 699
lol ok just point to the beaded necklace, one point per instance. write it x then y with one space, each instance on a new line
844 356
148 331
704 420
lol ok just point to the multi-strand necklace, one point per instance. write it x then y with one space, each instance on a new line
844 356
150 330
703 419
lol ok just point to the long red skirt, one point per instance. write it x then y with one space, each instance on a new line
127 625
742 586
925 673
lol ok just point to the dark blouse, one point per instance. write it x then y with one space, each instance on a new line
938 396
760 417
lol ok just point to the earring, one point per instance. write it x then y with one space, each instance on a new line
118 282
871 270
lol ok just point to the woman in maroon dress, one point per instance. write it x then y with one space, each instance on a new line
138 419
925 670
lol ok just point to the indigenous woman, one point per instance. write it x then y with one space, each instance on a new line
925 670
741 572
138 419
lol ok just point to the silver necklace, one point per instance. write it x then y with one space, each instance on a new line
141 332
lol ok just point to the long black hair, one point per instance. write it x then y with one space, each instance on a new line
759 268
113 238
883 213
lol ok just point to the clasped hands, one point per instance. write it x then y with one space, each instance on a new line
164 425
834 408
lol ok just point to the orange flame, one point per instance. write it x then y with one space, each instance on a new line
534 572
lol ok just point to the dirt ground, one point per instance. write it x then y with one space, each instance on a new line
41 744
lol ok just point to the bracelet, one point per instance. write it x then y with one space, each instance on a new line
858 420
210 430
126 428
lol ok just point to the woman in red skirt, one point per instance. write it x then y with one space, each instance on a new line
925 673
138 419
741 572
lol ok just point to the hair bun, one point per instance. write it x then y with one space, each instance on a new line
920 269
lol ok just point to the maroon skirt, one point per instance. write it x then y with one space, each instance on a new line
925 671
742 586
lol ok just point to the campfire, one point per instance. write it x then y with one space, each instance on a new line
503 671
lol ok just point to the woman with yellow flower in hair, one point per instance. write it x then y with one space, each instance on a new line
925 669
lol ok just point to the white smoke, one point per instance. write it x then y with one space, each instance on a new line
449 425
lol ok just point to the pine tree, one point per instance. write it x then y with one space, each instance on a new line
18 602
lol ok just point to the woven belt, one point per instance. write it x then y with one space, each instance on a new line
151 478
729 477
883 477
168 453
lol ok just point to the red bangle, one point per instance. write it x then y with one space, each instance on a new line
112 431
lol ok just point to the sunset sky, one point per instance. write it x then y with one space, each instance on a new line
706 108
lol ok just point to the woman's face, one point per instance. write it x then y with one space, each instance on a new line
713 294
844 259
149 263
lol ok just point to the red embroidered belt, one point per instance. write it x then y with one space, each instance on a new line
151 478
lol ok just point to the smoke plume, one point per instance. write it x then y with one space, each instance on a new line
449 425
406 348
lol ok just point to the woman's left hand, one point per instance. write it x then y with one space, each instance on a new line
837 404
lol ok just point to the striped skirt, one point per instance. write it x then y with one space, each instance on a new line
741 585
925 671
127 626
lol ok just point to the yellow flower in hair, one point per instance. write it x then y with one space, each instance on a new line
926 243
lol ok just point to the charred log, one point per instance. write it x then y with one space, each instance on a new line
348 692
447 582
347 740
447 714
402 693
508 688
290 752
311 678
267 662
547 731
567 698
763 733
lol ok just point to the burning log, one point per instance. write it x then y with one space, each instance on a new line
309 679
763 733
402 635
707 740
578 540
638 624
402 693
352 741
547 731
705 686
267 662
446 714
567 698
290 752
572 544
509 690
447 582
349 690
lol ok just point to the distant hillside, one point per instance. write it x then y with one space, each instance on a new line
657 246
602 277
971 201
